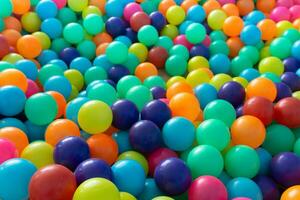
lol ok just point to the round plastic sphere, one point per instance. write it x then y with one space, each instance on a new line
291 64
93 24
126 196
130 9
73 33
213 132
285 169
117 72
41 109
148 35
114 8
158 92
262 87
138 20
8 150
126 83
124 170
68 54
208 157
117 52
283 91
97 187
196 14
265 158
92 168
73 108
243 187
233 25
28 67
207 187
280 48
199 50
13 77
175 15
172 134
115 26
158 56
59 84
286 112
239 64
157 112
145 136
6 8
216 19
12 100
295 49
77 6
122 139
205 93
95 117
103 92
158 20
60 3
125 114
292 80
164 176
232 92
133 155
250 35
219 63
271 64
39 153
291 193
150 191
179 61
15 169
46 9
195 33
140 95
268 187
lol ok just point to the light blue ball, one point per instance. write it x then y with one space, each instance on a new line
73 107
173 133
205 93
122 139
196 14
250 35
114 8
184 25
59 63
85 135
219 63
82 93
35 132
265 158
250 74
15 175
13 122
125 40
150 190
296 50
102 61
12 100
52 27
46 56
298 72
59 84
28 68
81 64
255 16
46 9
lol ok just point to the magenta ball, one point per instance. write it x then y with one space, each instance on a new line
222 2
60 3
181 39
207 187
295 12
241 198
280 13
130 9
8 150
32 88
206 42
285 3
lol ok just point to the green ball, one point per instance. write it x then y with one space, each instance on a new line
132 62
239 64
217 35
219 46
155 81
126 83
140 95
297 147
73 33
296 132
41 109
133 155
170 31
87 49
220 109
148 6
103 92
6 8
180 50
148 35
279 138
213 132
48 71
195 33
78 6
5 65
59 44
273 77
94 73
117 52
291 34
281 48
66 16
34 2
271 64
251 52
2 25
205 160
165 42
242 161
93 24
176 65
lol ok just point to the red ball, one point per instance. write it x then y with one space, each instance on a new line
259 107
54 182
139 19
158 56
4 47
287 112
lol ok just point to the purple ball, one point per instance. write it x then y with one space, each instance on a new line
291 64
158 92
285 169
268 187
115 26
131 34
232 92
92 168
158 20
117 72
172 176
200 50
292 80
239 111
69 54
283 91
125 114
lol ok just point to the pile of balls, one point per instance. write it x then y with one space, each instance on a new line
150 99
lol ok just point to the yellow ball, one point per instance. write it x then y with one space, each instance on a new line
74 93
12 58
95 117
197 77
31 22
75 78
265 52
139 50
43 38
241 81
271 64
170 30
78 6
97 188
219 80
39 153
296 95
91 10
216 19
292 193
282 26
163 198
175 15
126 196
197 62
133 155
175 79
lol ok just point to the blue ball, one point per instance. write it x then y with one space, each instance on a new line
129 176
250 74
233 92
81 64
239 111
172 133
115 26
296 50
73 107
13 122
124 39
219 63
102 61
131 34
92 168
200 50
12 100
291 64
265 159
28 68
158 20
243 187
114 8
68 54
184 25
158 92
170 170
71 151
145 136
52 27
35 132
59 63
150 190
283 91
59 84
117 72
46 56
205 93
15 175
250 35
255 16
125 114
292 80
122 139
46 9
268 187
196 14
224 177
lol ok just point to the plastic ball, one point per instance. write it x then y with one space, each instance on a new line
151 190
280 13
115 26
102 92
77 6
205 93
138 20
216 19
130 9
125 114
155 81
280 47
271 64
175 15
6 8
12 100
133 155
196 14
46 9
147 35
117 52
195 33
267 28
73 33
114 8
286 111
264 158
239 64
219 80
4 47
126 196
295 49
283 91
262 87
29 47
291 193
292 80
268 187
8 150
290 64
233 26
59 84
158 20
158 56
232 92
60 3
139 95
93 24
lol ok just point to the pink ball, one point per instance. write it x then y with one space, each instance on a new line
296 2
280 13
222 2
130 9
60 3
285 3
241 198
8 150
207 187
206 42
165 100
181 39
295 12
158 156
32 88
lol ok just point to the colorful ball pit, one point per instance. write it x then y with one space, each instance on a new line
149 99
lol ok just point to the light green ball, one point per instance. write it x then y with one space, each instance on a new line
117 52
140 95
239 64
93 24
126 83
6 8
147 35
103 92
195 33
281 48
180 50
155 81
251 52
73 33
94 73
78 6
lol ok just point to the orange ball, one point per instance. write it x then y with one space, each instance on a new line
265 6
233 26
267 28
262 87
12 23
60 101
102 38
100 4
20 7
296 24
101 49
185 105
164 5
144 70
245 6
29 47
187 4
231 9
12 36
16 136
103 147
59 129
234 44
111 130
13 77
177 88
292 193
248 130
211 5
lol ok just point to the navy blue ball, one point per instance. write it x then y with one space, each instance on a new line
158 92
291 64
125 114
233 92
71 151
172 176
115 26
117 72
69 54
292 80
158 20
145 136
239 111
110 82
268 187
157 112
200 50
131 34
283 91
92 168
